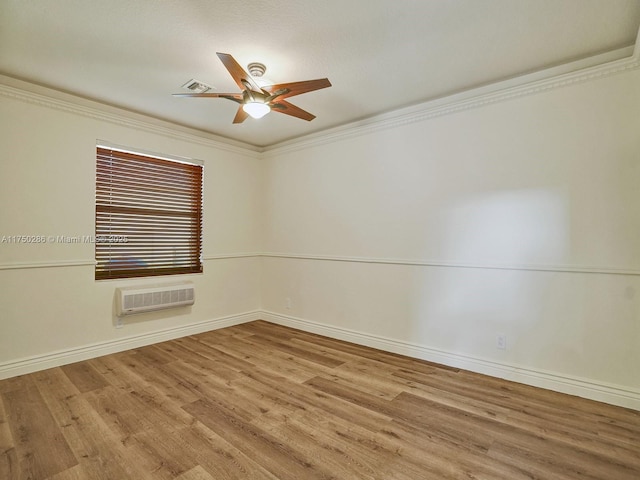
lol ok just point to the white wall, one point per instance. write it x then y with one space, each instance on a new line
430 237
515 218
49 300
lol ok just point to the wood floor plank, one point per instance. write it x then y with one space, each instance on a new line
543 461
100 452
357 350
576 431
292 338
219 391
353 395
298 351
161 376
84 376
8 456
368 377
471 432
41 449
275 360
220 458
266 402
129 412
545 409
343 455
475 405
157 451
212 359
349 412
223 333
196 473
496 436
271 401
549 400
443 457
622 434
20 382
156 355
115 371
284 461
295 338
74 473
257 354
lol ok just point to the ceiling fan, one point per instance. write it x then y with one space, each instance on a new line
257 101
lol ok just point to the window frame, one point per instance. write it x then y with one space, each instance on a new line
148 213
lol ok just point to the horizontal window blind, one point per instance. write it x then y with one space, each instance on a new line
148 216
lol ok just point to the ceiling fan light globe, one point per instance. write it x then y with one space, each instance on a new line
256 109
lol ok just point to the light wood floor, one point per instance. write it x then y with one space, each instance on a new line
260 401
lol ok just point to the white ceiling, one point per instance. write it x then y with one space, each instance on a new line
379 55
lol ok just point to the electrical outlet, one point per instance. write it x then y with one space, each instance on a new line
501 341
287 303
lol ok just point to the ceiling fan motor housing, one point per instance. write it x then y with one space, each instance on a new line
253 96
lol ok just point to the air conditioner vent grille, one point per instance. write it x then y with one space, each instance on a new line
144 299
195 86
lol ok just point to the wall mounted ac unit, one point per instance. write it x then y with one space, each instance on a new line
132 300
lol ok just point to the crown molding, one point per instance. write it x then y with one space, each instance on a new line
30 93
585 70
580 71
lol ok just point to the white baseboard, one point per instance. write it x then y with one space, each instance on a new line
581 387
77 354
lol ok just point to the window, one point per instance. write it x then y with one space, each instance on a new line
148 215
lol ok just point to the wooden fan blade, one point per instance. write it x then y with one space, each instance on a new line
241 77
241 115
296 88
236 97
282 106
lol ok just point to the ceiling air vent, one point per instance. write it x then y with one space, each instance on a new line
195 86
